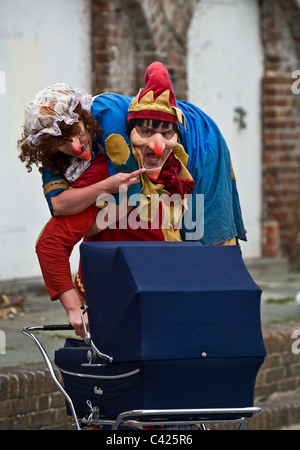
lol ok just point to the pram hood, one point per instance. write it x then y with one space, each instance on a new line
160 301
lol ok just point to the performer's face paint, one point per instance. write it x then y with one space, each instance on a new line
79 145
154 145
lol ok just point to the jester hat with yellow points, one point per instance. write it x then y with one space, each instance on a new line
157 100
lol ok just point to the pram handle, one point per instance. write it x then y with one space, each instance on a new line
58 327
27 331
50 327
88 340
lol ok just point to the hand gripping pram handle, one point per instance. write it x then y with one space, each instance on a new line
88 340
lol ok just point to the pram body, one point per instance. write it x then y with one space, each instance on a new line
178 325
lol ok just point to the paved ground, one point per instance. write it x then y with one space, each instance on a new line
38 310
279 290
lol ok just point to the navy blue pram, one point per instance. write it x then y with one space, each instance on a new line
176 326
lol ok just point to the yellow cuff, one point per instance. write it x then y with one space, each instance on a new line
231 242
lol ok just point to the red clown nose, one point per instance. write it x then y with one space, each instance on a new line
86 155
158 148
77 150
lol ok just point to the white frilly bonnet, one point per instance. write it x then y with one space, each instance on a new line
54 104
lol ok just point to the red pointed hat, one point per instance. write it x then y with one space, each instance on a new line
157 100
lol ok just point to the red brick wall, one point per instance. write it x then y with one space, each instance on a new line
281 130
29 400
112 50
127 35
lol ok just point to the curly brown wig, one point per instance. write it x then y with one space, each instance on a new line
47 153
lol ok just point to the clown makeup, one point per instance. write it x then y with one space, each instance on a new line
153 144
79 145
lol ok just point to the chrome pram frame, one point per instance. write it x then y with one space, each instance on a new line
136 419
